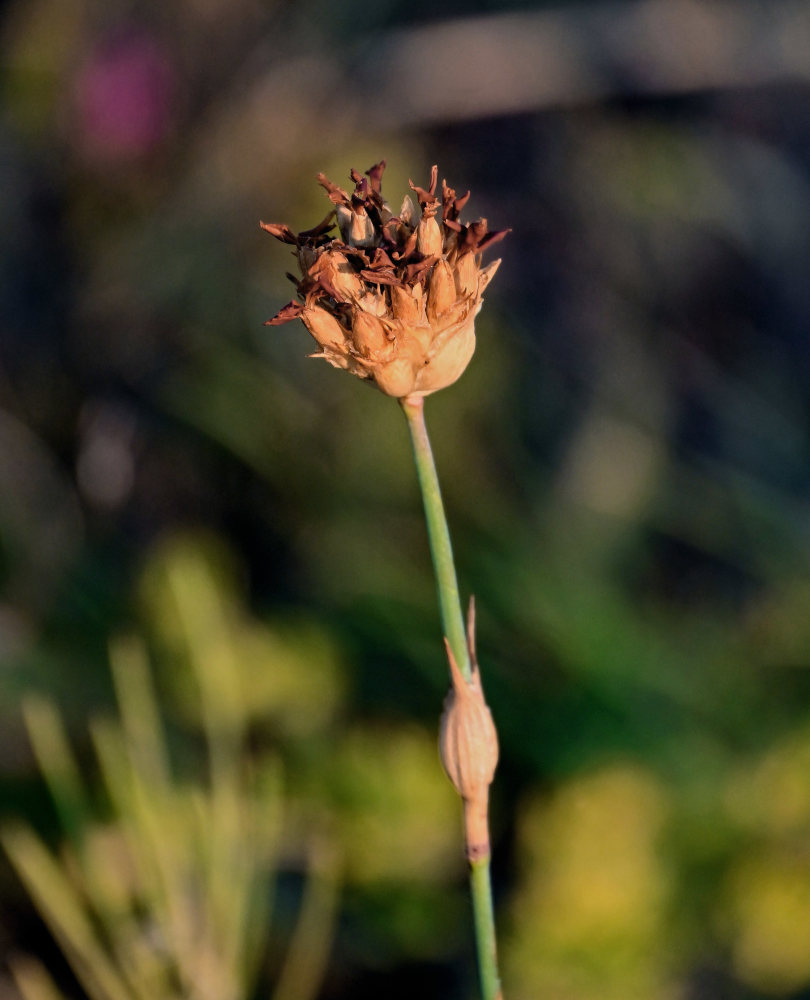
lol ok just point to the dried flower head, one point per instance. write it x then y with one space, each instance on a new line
394 298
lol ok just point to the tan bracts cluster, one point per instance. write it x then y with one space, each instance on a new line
393 299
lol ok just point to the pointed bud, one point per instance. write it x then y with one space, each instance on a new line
466 274
324 328
356 227
429 236
442 291
404 304
340 275
468 744
369 335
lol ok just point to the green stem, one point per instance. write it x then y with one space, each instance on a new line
453 624
484 917
438 535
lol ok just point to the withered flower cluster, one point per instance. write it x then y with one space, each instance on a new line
394 298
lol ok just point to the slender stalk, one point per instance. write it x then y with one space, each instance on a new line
484 916
438 534
453 624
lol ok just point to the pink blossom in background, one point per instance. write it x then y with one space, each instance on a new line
123 99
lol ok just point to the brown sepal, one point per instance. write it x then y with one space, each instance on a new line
477 238
473 234
381 270
423 195
408 249
280 231
350 251
415 272
375 176
452 206
494 237
330 289
381 277
336 194
381 259
289 312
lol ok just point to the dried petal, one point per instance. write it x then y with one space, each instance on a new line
375 176
323 227
490 238
336 194
307 255
426 196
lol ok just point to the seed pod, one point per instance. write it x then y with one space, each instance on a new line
368 336
356 228
442 291
340 275
404 305
428 236
466 274
468 745
324 328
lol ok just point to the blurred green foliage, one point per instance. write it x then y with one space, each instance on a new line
164 888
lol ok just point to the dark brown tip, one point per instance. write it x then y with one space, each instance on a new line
289 312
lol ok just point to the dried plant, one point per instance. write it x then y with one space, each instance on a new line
393 300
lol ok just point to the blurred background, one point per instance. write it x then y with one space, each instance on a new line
214 578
